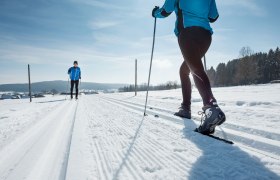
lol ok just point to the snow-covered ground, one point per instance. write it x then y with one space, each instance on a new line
106 137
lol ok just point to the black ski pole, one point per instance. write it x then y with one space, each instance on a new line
80 83
205 67
155 24
67 89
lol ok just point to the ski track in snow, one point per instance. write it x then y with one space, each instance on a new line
107 137
257 142
39 152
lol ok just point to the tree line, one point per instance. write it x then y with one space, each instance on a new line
143 87
250 68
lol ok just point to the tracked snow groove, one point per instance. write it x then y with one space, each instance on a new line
39 153
164 148
63 172
265 146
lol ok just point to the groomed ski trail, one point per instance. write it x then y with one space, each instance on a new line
106 137
269 146
41 152
118 143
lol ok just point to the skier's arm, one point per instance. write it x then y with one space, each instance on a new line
213 12
80 74
69 70
166 10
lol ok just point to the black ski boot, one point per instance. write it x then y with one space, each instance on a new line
213 116
184 112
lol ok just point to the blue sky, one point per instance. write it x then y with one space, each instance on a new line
106 36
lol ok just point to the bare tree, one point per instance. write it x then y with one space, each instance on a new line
245 51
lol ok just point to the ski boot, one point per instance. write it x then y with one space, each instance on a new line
184 112
212 116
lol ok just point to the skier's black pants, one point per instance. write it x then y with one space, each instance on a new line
76 83
194 43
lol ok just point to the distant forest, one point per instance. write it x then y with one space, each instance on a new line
250 68
167 86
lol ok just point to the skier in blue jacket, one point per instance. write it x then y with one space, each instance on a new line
75 75
194 35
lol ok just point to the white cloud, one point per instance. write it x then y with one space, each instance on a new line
162 63
96 64
24 54
244 7
101 24
213 58
224 30
99 4
107 39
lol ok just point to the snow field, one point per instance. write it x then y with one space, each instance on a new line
106 136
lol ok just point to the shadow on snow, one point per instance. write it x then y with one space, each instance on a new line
223 161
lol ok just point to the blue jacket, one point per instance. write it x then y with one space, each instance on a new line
74 73
190 13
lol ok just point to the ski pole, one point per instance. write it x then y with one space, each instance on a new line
205 63
155 24
80 83
67 89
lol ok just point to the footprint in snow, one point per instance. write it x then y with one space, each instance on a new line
240 103
180 150
152 169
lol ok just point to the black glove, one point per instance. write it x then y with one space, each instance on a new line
154 10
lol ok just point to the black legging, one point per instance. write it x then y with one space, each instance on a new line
194 43
76 83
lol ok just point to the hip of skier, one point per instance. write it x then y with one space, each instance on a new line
194 33
74 75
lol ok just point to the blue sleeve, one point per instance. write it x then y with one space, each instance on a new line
80 74
167 9
213 12
69 70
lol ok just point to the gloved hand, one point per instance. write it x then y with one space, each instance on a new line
154 10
